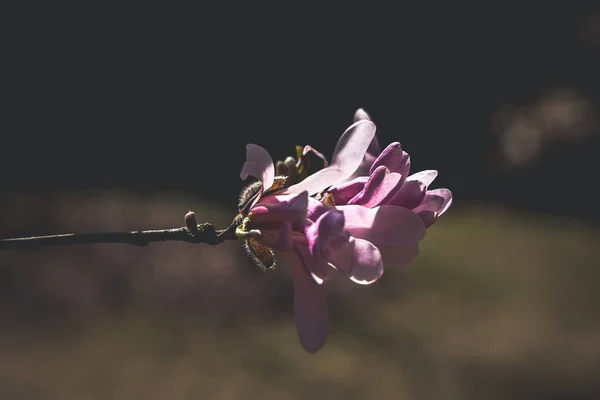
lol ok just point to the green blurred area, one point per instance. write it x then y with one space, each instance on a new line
498 305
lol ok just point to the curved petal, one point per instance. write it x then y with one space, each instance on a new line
383 225
446 195
348 154
424 176
315 209
410 195
362 170
428 217
431 202
310 305
325 232
395 256
259 165
429 209
328 226
374 148
346 191
365 265
318 268
394 158
382 185
372 152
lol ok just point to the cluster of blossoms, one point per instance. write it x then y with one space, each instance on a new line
360 212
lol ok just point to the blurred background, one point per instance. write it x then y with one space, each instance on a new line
124 119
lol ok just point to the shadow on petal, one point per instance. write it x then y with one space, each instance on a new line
383 225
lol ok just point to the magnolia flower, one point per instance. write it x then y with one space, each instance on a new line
354 214
386 183
308 234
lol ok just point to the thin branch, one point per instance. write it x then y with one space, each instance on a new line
205 233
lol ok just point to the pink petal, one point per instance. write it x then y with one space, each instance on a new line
383 225
410 195
259 165
426 177
315 209
395 256
446 195
394 159
431 202
428 217
327 227
275 210
365 265
344 192
363 169
348 154
327 230
429 209
310 305
372 152
382 185
318 268
367 162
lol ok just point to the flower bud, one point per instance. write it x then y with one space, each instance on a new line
191 222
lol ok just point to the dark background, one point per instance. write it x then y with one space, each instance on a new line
152 98
117 118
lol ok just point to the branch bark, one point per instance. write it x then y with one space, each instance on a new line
205 233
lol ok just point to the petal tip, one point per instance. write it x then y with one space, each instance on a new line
311 347
361 114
